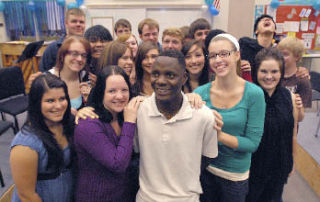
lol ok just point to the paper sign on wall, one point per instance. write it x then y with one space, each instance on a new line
291 26
279 27
307 43
307 13
304 25
312 25
317 42
307 35
303 12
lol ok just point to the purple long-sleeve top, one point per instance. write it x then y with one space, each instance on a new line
102 160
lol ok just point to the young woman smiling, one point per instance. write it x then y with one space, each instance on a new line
273 162
73 55
146 55
196 65
104 145
117 53
242 107
41 155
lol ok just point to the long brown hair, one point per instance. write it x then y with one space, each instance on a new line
111 54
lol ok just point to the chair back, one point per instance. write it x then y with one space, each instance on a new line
11 82
6 197
315 80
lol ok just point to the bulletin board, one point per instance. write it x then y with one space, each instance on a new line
296 21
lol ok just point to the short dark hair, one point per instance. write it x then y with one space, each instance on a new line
175 54
255 27
199 23
210 35
186 32
122 22
97 33
266 54
97 93
204 77
36 124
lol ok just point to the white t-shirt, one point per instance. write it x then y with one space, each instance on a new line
170 151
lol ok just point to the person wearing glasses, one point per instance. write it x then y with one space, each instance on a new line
72 57
241 106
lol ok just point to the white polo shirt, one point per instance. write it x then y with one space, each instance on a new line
170 151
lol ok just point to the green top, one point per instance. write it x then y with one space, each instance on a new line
245 121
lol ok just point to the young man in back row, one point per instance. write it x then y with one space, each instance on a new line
172 137
74 22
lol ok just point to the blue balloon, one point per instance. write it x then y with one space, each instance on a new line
61 2
275 4
31 6
1 6
213 10
79 2
316 5
72 5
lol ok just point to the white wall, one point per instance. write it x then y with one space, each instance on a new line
167 12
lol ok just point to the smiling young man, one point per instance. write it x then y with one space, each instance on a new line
149 30
199 29
75 26
172 136
172 39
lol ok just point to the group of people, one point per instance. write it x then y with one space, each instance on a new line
199 117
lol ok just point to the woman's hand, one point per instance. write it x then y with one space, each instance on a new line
32 77
218 121
85 90
92 79
245 66
303 72
298 101
195 100
130 111
84 113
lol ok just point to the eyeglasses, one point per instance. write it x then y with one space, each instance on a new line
222 54
76 54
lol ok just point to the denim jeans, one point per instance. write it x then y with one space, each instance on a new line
217 189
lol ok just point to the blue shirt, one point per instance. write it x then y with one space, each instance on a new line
53 190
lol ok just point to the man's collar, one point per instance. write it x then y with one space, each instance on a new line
185 111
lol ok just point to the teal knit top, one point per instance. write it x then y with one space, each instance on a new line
245 121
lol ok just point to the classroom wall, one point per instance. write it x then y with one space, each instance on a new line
241 18
170 13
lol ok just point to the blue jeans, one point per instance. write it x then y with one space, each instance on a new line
217 189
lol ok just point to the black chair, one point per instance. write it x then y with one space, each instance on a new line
4 126
315 83
13 99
